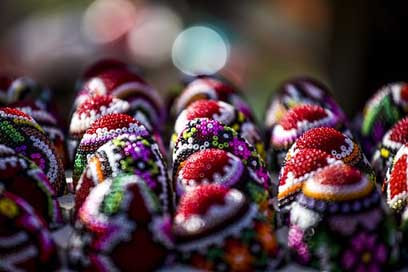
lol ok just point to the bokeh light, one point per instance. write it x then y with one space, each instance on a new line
151 39
106 20
200 50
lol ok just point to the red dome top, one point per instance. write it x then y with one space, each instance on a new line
300 113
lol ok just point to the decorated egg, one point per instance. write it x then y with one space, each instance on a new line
338 145
305 163
101 66
224 113
297 121
396 183
48 123
392 141
106 128
26 244
23 178
129 154
296 91
211 88
388 105
338 223
16 89
203 133
121 227
93 108
145 103
217 229
20 132
217 166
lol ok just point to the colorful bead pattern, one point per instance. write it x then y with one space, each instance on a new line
211 89
393 140
396 182
381 112
224 113
13 89
219 167
300 91
48 123
145 103
202 133
120 217
216 229
336 144
21 133
23 178
302 165
297 121
338 223
102 131
129 154
26 244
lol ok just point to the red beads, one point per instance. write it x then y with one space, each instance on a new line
302 112
340 174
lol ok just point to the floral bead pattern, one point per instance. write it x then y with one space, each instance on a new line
121 216
338 223
203 133
224 113
102 131
128 154
21 133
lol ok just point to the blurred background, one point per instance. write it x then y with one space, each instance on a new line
352 46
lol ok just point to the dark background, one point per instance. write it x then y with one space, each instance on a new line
353 46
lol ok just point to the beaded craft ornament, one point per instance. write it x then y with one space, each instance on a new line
26 244
202 133
23 178
210 88
217 229
224 113
20 132
392 141
128 154
121 227
338 223
102 131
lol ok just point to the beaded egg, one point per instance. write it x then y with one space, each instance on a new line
102 131
211 88
224 113
217 166
23 178
93 108
296 91
25 242
121 227
388 105
335 143
301 166
395 184
48 123
392 141
203 133
130 154
145 103
16 89
20 132
293 124
217 229
338 223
